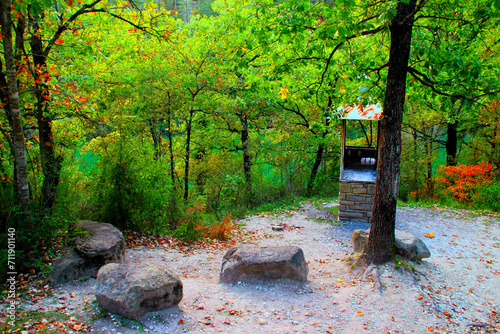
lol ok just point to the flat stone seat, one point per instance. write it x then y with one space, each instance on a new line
134 289
408 245
103 244
249 261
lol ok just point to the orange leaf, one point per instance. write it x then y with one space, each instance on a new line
73 295
59 41
180 322
360 313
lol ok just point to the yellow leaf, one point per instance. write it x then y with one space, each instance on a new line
360 313
340 280
284 92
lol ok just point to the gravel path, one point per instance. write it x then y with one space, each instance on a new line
456 290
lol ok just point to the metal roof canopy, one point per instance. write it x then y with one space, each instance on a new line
372 112
351 155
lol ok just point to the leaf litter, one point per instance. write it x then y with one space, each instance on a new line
454 291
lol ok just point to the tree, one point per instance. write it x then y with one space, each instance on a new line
380 247
13 109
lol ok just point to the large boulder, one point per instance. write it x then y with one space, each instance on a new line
249 261
134 289
101 244
408 245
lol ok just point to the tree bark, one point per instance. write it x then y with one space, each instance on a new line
188 153
247 158
19 144
171 147
315 169
51 165
380 247
451 144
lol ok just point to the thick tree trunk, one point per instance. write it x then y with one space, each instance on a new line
380 245
451 144
19 147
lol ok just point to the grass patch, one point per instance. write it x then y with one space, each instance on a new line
400 263
334 210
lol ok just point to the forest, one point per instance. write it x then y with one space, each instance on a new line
174 117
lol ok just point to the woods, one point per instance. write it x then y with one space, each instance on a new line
161 120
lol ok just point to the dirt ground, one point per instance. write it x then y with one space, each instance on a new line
456 290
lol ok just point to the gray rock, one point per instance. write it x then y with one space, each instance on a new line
134 289
249 261
407 244
103 244
359 240
410 246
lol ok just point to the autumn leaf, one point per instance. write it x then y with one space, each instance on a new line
73 295
59 41
180 322
360 313
283 92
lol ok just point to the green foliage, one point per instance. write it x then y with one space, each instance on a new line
487 197
191 224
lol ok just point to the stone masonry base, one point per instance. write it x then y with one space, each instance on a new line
356 201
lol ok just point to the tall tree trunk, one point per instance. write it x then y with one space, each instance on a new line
247 159
380 247
17 128
51 165
156 136
451 144
315 169
320 152
188 153
171 147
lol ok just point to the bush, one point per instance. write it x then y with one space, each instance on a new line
462 182
488 197
116 180
192 224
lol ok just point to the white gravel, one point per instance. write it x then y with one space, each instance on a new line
455 287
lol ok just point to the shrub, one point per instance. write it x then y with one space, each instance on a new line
192 225
462 182
488 197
